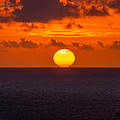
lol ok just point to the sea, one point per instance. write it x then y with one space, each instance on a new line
59 93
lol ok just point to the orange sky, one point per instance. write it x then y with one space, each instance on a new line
30 33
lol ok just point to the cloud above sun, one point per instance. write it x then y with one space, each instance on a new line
46 10
24 44
29 44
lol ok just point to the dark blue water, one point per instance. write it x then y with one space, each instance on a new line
59 94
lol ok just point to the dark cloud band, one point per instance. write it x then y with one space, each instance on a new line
46 10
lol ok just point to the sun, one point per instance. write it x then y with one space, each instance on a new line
64 58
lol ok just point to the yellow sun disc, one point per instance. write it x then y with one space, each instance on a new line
64 58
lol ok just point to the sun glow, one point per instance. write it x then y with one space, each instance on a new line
64 58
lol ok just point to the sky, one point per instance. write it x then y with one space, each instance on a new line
31 31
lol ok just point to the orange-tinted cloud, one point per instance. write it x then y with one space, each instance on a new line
5 19
68 26
101 44
115 4
32 26
28 44
32 45
10 44
115 45
79 26
97 7
93 11
28 28
83 47
57 44
44 10
23 44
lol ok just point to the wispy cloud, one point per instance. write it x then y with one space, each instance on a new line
28 44
5 19
115 4
28 27
83 46
93 11
115 45
10 44
68 26
100 44
46 10
57 44
79 26
23 44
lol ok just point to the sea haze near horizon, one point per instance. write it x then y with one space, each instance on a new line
59 94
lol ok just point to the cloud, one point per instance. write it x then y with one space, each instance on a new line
76 45
10 44
115 4
28 44
56 44
28 28
6 10
115 45
86 47
92 7
5 19
23 43
68 26
93 11
83 47
79 26
32 26
101 44
44 10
